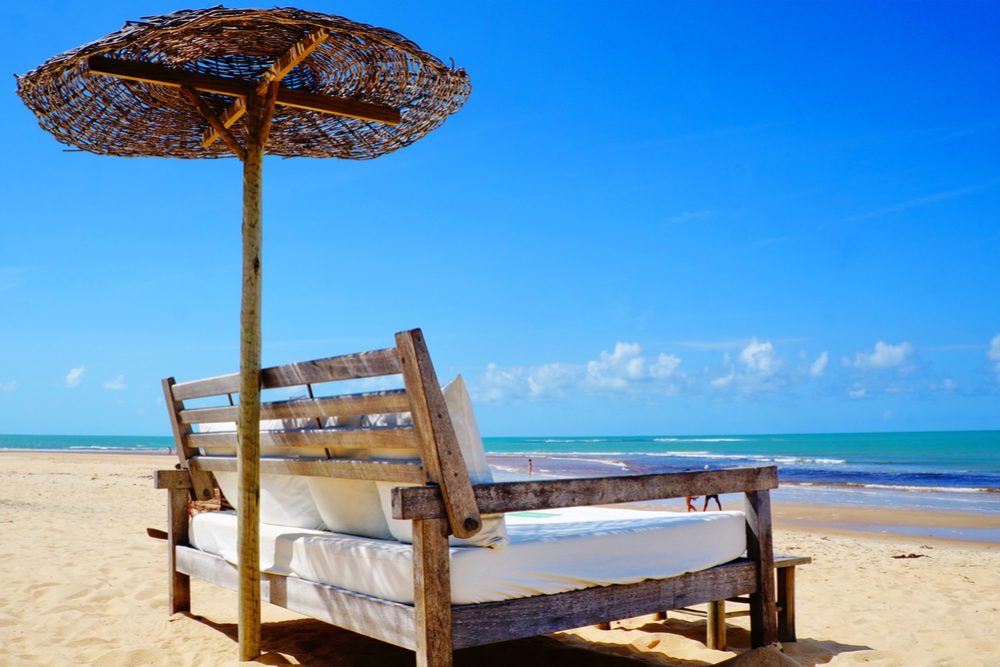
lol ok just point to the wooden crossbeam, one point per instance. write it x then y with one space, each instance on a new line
221 85
228 118
214 121
276 72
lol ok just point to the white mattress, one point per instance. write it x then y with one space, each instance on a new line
550 551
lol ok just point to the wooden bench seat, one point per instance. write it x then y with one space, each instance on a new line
442 502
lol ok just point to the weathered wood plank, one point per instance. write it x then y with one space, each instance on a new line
171 479
786 604
228 118
763 615
346 405
372 437
426 502
177 535
441 454
432 593
716 621
386 470
492 622
208 83
216 126
382 619
332 369
783 560
215 570
339 106
167 76
203 485
277 71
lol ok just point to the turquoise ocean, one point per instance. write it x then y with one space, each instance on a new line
948 470
951 470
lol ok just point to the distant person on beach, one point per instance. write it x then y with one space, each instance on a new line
691 508
530 467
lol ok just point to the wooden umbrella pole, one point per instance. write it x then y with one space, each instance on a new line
259 111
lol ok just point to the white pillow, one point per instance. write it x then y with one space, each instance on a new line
284 499
349 506
494 530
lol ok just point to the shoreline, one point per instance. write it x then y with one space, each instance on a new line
968 528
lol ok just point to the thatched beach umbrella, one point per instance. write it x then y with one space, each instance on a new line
230 82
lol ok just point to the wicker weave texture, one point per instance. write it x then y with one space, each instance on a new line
112 116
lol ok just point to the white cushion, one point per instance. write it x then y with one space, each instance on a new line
285 500
470 443
550 551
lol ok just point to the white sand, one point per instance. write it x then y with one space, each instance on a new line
83 584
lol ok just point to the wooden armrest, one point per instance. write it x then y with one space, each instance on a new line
171 479
424 502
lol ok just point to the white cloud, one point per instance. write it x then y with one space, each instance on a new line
666 365
756 369
74 377
857 391
759 357
617 369
115 384
499 383
885 355
994 353
10 385
551 379
947 386
724 381
533 382
818 367
621 370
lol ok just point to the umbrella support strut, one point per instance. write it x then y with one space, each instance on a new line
259 112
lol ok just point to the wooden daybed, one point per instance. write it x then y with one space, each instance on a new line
440 500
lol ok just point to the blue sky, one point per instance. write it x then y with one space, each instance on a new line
650 218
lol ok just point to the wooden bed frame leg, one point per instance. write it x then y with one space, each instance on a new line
760 549
177 522
786 604
716 618
432 592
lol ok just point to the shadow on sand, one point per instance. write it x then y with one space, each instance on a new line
806 651
311 642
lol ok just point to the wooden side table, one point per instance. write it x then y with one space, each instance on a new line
784 569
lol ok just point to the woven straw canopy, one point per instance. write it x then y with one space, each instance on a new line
358 92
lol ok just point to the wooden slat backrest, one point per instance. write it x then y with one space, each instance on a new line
332 369
436 456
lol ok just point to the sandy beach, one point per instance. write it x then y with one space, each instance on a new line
83 584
